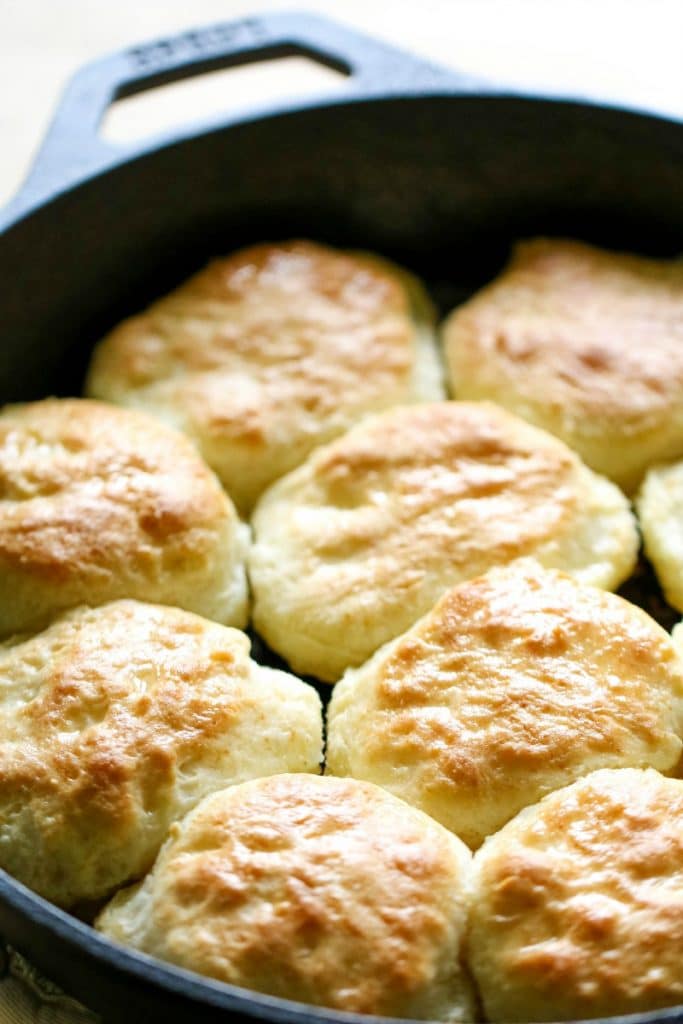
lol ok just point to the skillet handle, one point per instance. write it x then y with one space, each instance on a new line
73 149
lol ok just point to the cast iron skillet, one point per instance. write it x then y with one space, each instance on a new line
436 170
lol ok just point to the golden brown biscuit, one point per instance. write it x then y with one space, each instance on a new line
660 511
264 355
359 542
585 343
116 721
577 908
326 891
98 503
515 684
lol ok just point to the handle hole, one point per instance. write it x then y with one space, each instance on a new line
150 107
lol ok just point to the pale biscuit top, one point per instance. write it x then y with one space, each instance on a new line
116 721
326 891
99 503
515 684
276 349
359 542
577 909
585 343
660 511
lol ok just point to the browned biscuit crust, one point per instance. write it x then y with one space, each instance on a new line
326 891
116 721
577 907
515 684
270 352
354 546
98 503
585 343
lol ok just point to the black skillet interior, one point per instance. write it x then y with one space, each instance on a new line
436 171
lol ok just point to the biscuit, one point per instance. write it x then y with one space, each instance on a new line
361 540
116 721
514 685
660 510
325 891
264 355
584 343
577 906
98 503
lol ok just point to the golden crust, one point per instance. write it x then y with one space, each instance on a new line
577 908
660 510
515 684
98 503
266 354
326 891
359 542
116 721
585 343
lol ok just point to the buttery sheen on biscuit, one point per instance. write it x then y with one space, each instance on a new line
577 906
99 503
660 511
116 721
585 343
325 891
514 685
355 545
264 355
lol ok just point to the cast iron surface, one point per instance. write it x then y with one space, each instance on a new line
432 169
